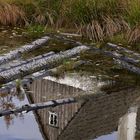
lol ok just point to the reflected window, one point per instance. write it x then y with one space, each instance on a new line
53 119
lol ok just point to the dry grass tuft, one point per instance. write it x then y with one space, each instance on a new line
11 14
93 31
113 26
107 28
133 35
41 19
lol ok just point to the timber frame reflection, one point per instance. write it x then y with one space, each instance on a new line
97 116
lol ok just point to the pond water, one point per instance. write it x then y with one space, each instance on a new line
108 106
20 126
112 136
104 116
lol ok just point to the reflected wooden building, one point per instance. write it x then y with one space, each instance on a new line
97 116
44 90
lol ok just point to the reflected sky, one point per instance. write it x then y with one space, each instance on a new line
112 136
20 127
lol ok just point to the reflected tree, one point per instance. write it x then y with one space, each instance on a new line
6 103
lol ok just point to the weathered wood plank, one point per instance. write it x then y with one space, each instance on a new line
33 107
71 34
65 40
124 62
26 48
122 49
39 64
127 66
11 66
28 79
121 57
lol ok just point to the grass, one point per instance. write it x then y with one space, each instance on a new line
94 19
11 14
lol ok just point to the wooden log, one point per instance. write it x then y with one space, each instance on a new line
27 61
39 64
65 40
33 107
113 54
127 66
26 48
27 80
71 34
124 62
124 50
119 56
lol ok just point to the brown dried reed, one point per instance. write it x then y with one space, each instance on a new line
11 14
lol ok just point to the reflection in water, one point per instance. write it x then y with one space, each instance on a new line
17 126
89 83
127 125
7 102
112 136
94 119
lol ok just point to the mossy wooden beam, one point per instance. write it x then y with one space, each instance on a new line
125 62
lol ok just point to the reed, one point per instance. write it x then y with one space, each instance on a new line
95 19
11 14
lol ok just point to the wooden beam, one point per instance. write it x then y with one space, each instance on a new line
124 50
28 61
121 57
27 80
59 37
127 66
26 48
39 64
124 62
33 107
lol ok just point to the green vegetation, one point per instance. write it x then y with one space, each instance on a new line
18 85
35 30
95 19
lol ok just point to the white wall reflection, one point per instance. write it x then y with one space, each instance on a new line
127 125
